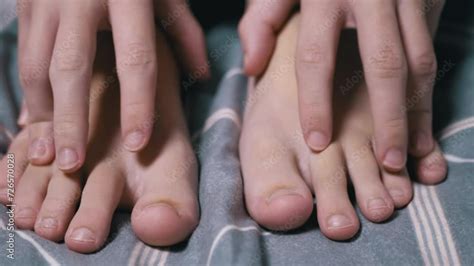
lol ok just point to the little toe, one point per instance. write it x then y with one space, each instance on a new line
59 205
432 168
336 215
100 198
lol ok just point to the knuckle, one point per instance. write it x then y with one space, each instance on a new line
388 62
69 56
311 56
137 56
425 65
397 123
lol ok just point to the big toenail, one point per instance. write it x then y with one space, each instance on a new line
37 149
317 140
48 223
396 193
159 205
83 234
67 158
339 221
394 159
26 213
376 204
134 140
281 193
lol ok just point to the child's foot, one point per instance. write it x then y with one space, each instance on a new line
280 173
159 183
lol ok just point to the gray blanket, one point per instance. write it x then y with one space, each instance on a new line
436 228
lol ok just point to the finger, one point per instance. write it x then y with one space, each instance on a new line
22 120
186 34
422 71
134 40
385 67
70 74
315 64
258 30
34 66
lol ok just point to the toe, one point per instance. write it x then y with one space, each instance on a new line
30 195
399 187
100 198
12 166
276 195
64 192
372 197
432 168
336 215
167 210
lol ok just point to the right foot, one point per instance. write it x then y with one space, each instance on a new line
281 174
158 184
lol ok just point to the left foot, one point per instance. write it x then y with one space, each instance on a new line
159 184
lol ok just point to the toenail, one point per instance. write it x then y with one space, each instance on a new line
281 193
394 159
420 141
134 140
26 213
37 149
49 223
317 140
396 193
376 204
337 221
157 206
67 158
82 234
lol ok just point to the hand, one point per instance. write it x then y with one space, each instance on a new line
395 40
57 41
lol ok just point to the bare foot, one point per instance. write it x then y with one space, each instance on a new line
159 184
280 173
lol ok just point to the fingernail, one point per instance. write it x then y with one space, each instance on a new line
420 141
396 193
376 204
83 234
37 149
134 140
26 213
394 159
338 221
49 223
280 193
158 205
67 158
317 140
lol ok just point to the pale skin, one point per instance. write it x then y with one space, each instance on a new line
281 174
157 184
57 45
395 42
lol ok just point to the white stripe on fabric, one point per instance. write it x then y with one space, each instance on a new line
164 258
436 225
425 226
226 229
442 217
134 255
419 236
456 127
